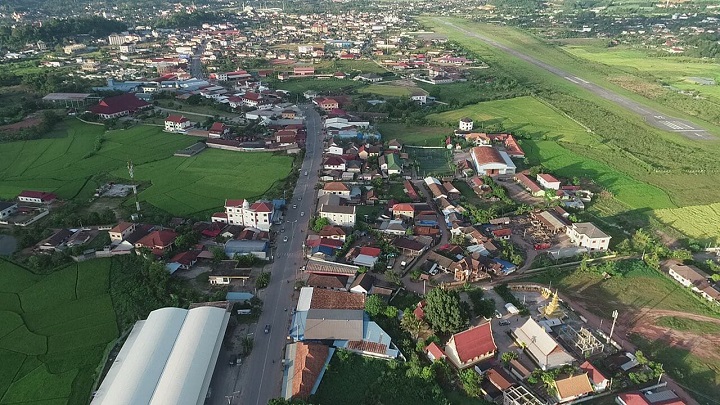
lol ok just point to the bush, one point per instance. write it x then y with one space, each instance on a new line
263 280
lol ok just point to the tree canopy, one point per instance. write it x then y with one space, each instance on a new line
444 312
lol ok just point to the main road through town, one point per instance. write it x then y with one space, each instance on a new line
651 116
264 369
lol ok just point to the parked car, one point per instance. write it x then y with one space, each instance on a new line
498 314
504 322
267 328
294 206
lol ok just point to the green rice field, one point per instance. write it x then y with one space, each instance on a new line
67 163
54 331
701 222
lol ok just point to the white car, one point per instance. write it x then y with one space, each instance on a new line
302 214
285 239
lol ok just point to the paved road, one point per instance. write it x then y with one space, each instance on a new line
263 368
651 116
195 63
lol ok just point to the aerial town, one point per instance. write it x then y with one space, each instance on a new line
506 202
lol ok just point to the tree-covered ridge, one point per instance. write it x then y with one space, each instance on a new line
55 31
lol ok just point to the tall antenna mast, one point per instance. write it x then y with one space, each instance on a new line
131 171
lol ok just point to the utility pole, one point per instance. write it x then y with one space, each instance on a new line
612 328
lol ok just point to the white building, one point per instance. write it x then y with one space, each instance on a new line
491 162
257 215
167 359
548 182
177 123
466 124
338 214
7 209
586 234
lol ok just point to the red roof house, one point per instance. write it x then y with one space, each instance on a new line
218 129
158 241
434 352
472 346
597 379
39 197
119 106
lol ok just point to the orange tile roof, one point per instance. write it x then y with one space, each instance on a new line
326 299
309 362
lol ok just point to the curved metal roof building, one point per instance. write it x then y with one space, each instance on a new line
167 359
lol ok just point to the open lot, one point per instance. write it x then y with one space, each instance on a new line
414 134
432 161
672 321
325 86
67 162
388 90
54 332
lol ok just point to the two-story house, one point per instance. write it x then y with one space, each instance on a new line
586 234
119 232
177 123
257 215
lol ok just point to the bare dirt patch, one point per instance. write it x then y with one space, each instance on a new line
28 122
700 344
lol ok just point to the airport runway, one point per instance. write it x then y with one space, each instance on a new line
652 117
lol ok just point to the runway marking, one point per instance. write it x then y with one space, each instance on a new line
582 80
571 79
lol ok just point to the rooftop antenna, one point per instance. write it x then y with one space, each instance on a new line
131 171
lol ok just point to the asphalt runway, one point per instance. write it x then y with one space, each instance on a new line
652 117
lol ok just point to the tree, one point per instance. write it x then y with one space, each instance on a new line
319 223
507 357
218 254
470 381
443 311
374 305
411 324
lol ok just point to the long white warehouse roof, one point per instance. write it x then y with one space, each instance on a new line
167 359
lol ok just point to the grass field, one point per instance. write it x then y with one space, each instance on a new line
414 134
65 162
522 115
673 70
54 332
386 90
432 162
326 86
638 290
